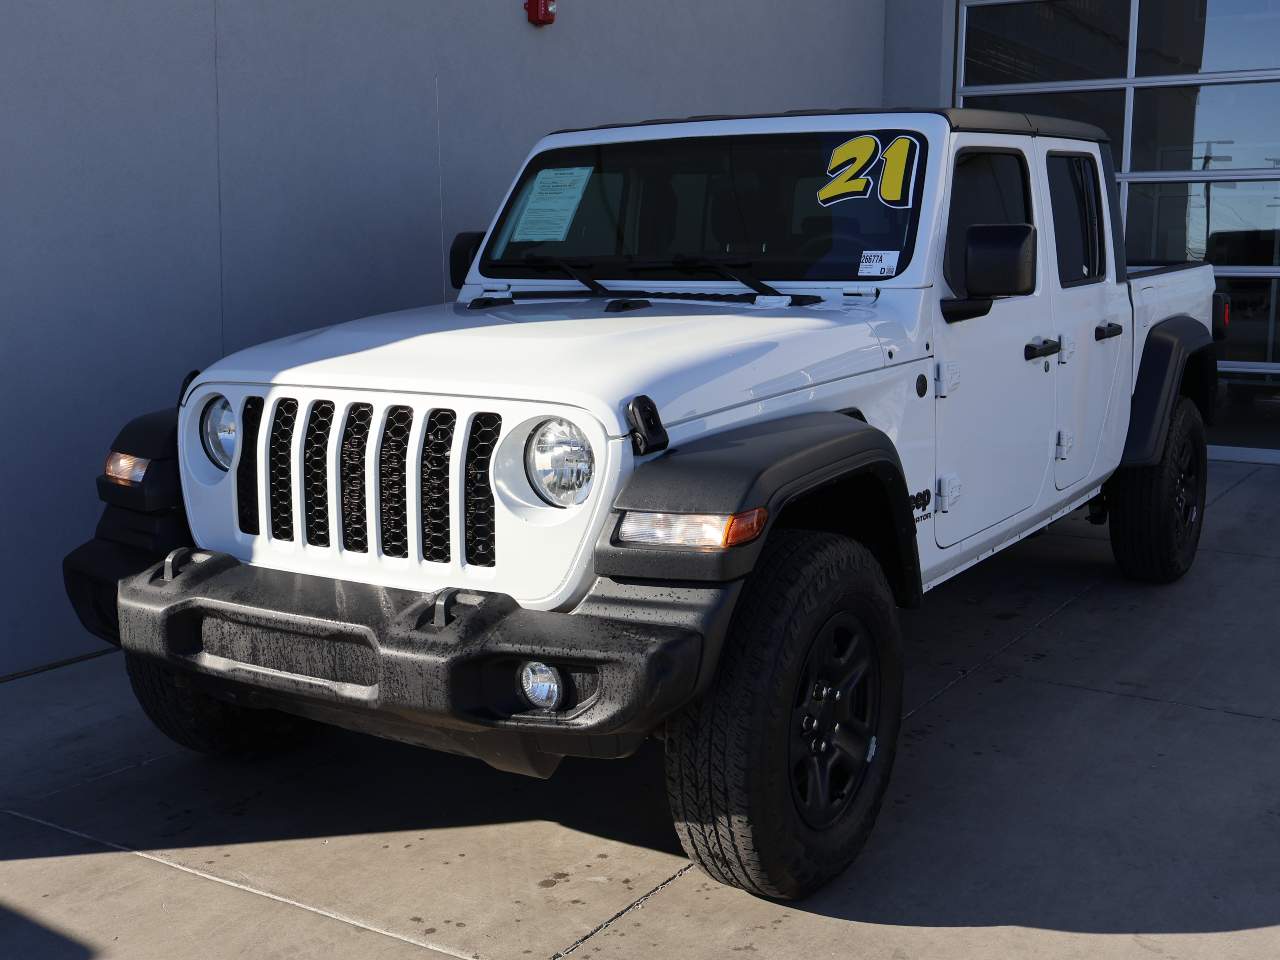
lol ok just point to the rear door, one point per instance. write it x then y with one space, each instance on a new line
1091 312
994 406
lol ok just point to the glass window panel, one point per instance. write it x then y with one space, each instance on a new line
1102 108
1077 218
1252 333
1046 41
1230 224
986 188
1222 127
1200 36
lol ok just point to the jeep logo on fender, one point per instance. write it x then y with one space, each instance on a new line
921 500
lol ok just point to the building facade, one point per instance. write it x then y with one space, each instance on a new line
1189 91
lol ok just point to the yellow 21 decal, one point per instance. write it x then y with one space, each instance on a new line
851 165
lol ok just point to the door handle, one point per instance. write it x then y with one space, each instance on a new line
1040 348
1105 331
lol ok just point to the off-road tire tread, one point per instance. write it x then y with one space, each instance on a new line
199 722
707 768
1140 526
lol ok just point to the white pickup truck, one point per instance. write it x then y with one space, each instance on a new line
717 397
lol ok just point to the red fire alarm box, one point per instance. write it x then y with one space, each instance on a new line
541 12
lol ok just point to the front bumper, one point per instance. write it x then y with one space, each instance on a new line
434 669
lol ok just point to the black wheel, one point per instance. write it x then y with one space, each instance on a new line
197 721
1156 513
776 775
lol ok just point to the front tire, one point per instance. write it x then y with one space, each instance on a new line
1156 513
197 721
776 775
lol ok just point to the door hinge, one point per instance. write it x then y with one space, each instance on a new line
1066 440
947 376
949 490
1068 348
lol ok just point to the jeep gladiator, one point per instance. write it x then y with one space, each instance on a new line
717 397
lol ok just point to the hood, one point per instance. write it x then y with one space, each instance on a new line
693 359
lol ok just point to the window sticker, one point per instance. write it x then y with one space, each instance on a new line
856 166
879 263
553 201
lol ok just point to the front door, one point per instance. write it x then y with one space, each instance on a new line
995 407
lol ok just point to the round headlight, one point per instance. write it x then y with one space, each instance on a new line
559 463
218 432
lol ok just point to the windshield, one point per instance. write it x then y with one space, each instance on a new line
806 206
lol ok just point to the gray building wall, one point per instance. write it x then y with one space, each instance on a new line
183 178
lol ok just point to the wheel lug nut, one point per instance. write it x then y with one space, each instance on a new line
819 691
816 745
835 727
822 746
807 723
837 696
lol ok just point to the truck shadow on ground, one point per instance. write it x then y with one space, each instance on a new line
1012 803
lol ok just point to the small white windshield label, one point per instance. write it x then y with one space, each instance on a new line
878 263
553 200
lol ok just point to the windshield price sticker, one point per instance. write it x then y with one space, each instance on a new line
878 263
856 166
553 201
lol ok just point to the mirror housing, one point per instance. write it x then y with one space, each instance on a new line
1000 260
462 254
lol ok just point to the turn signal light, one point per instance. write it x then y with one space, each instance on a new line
707 531
125 468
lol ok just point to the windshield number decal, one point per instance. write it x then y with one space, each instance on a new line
850 171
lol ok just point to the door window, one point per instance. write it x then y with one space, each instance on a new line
988 187
1077 218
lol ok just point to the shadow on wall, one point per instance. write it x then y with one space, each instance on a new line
23 937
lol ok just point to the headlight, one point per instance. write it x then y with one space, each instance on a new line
559 463
218 432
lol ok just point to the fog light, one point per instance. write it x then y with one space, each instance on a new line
125 468
541 685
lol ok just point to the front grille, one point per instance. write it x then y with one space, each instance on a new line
437 444
393 510
315 474
477 501
355 438
247 471
362 467
280 469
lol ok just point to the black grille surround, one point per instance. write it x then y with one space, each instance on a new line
247 470
477 493
437 446
393 500
355 440
280 469
315 474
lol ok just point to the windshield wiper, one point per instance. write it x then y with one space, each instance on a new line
574 271
740 271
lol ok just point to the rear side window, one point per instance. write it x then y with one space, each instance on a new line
1077 218
987 188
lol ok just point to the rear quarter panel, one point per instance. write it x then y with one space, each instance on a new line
1159 295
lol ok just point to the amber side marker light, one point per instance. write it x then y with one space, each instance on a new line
125 468
704 531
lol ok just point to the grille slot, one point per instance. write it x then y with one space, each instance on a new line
393 500
247 471
315 474
437 445
477 500
280 469
355 440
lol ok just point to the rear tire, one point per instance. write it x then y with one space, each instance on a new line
776 775
197 721
1156 513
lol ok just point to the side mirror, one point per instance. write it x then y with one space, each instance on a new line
461 255
1000 260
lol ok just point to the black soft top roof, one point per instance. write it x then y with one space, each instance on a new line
960 118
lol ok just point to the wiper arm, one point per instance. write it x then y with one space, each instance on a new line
742 272
569 269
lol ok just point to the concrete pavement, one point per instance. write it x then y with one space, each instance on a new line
1088 769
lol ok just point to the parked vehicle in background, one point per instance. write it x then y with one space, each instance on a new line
717 397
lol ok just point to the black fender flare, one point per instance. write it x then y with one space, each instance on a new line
1176 349
765 464
140 524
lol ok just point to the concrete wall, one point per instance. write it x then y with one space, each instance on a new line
919 53
182 178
